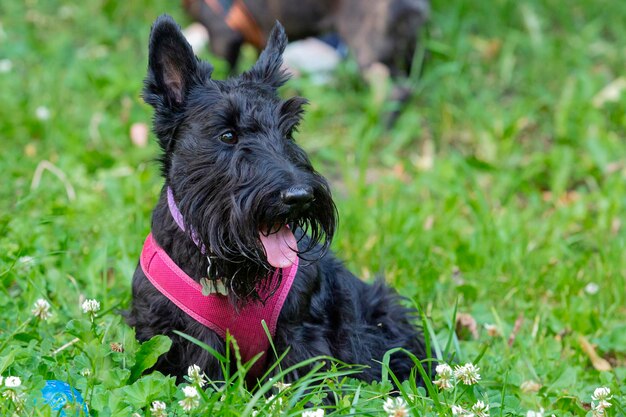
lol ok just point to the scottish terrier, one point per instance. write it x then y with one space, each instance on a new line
240 235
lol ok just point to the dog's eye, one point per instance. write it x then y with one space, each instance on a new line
229 137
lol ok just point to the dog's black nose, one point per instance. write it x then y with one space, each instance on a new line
297 196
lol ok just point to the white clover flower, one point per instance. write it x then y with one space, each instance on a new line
592 288
5 66
467 373
12 395
444 370
158 409
457 410
597 410
91 306
277 403
444 384
480 409
86 372
281 386
26 262
196 375
190 391
602 394
314 413
396 407
444 376
41 309
12 382
42 113
532 413
191 400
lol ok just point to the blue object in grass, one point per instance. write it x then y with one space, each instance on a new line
58 394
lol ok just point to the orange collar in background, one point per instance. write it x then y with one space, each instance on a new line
238 17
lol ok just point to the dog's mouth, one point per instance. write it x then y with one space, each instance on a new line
280 245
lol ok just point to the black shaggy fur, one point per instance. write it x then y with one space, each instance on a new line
230 159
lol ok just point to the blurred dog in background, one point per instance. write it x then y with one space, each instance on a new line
383 31
381 34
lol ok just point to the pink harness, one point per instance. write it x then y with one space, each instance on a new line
215 311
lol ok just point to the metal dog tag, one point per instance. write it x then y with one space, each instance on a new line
213 287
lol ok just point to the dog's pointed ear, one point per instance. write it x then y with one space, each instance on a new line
172 65
268 68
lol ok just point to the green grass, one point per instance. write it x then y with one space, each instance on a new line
499 195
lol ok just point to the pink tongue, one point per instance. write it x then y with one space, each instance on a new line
279 247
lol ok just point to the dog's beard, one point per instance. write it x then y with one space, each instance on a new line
248 236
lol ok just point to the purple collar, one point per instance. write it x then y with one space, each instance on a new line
178 218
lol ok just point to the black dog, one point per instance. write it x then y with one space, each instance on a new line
246 195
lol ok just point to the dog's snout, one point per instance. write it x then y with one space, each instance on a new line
297 196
